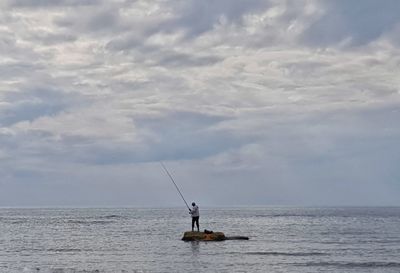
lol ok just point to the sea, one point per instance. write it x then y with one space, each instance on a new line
282 239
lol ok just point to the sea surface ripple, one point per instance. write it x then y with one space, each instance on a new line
282 239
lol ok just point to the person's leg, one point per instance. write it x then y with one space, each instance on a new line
197 223
193 220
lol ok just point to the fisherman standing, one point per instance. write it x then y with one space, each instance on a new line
195 216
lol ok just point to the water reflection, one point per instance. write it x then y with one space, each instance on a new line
195 247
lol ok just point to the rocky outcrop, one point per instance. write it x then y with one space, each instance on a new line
209 236
202 236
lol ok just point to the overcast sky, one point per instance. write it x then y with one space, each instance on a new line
247 102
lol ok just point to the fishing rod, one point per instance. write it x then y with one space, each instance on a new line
170 176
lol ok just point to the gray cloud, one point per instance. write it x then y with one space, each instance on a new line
248 102
53 38
32 104
199 17
102 19
179 59
349 20
50 3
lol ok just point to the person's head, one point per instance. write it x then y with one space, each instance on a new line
193 204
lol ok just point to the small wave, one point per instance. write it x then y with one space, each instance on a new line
100 222
275 253
111 216
18 222
64 250
352 264
89 222
71 270
335 243
288 216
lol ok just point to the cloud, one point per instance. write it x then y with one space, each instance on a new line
101 19
50 3
357 24
266 101
33 104
199 17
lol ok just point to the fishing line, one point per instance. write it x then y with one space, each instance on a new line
176 186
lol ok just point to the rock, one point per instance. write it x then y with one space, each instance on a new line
201 236
237 238
209 236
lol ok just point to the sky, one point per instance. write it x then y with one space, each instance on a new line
247 102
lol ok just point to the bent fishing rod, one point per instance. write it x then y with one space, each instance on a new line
176 186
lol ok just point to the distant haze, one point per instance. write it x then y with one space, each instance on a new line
247 102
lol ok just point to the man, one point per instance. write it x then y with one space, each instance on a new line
195 216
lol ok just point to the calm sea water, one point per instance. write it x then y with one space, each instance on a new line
148 240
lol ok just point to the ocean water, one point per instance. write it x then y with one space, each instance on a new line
282 239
